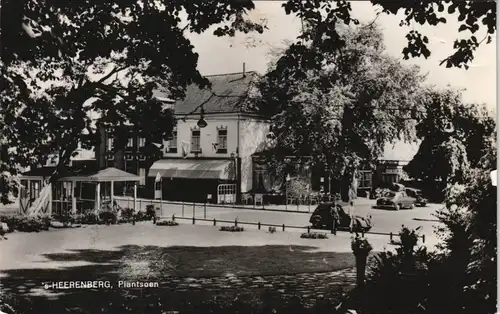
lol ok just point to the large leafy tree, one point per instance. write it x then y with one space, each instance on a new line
347 110
132 45
455 136
62 60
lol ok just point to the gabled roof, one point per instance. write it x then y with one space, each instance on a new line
113 174
232 92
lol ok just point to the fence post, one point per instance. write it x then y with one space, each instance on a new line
390 235
173 217
182 208
258 225
423 238
215 222
205 211
193 220
334 228
308 229
194 209
283 227
236 222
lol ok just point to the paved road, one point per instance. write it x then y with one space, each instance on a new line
384 220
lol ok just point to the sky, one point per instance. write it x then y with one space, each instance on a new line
227 55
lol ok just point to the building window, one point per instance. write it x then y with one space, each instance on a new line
222 141
130 142
142 142
195 141
110 143
365 179
172 143
142 174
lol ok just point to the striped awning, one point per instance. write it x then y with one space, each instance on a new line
193 169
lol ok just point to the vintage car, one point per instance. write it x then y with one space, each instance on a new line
396 200
325 213
420 200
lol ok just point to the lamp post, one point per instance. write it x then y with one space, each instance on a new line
286 191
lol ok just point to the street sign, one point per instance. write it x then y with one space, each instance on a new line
158 177
209 196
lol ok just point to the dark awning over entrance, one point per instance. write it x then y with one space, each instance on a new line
193 169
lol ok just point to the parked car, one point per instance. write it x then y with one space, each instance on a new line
420 201
325 213
396 200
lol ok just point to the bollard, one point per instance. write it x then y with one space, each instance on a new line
236 222
154 219
173 217
205 211
182 208
258 225
283 227
390 236
215 222
362 233
308 229
194 209
133 220
194 220
423 238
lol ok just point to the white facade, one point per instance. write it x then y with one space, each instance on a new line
244 135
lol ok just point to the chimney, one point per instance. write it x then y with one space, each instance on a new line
244 69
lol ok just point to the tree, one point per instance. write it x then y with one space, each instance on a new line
474 16
62 60
454 138
346 111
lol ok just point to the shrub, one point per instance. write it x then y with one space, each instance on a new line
314 235
150 212
167 223
127 214
108 217
141 216
231 229
27 224
272 229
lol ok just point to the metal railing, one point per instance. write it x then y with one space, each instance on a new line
283 227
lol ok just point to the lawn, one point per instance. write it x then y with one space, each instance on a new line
170 255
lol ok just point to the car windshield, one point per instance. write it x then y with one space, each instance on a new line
389 194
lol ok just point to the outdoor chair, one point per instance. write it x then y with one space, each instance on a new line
259 199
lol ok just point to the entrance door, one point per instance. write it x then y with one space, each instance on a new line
158 190
226 194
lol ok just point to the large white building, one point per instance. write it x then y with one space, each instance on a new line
212 159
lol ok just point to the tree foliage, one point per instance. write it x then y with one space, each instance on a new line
63 60
476 17
57 55
345 111
455 136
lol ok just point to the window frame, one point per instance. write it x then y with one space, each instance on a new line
222 149
195 148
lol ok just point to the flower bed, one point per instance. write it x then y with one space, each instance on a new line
314 235
26 223
167 223
231 229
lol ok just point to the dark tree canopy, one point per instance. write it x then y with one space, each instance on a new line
345 112
57 55
455 137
